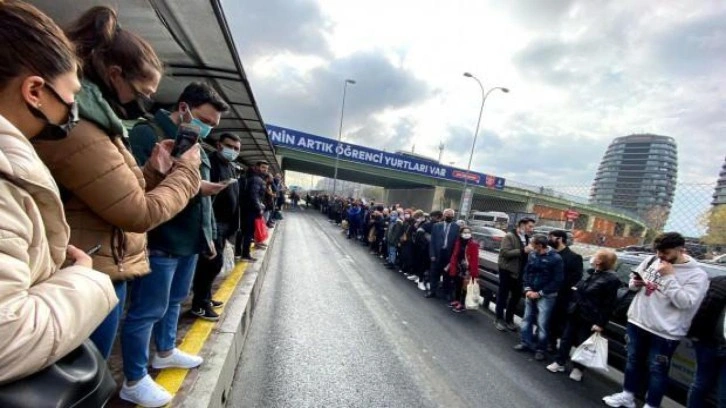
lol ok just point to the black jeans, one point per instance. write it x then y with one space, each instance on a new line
437 270
559 318
576 332
208 269
247 233
508 295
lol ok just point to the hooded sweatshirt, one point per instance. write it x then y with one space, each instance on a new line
668 309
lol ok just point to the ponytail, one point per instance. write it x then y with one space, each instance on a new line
101 42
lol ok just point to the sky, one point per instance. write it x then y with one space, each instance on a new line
580 73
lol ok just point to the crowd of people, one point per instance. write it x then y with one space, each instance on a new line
563 304
85 167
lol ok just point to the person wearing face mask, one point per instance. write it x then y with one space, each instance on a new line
226 215
175 246
443 235
591 305
393 238
463 266
108 199
41 276
573 274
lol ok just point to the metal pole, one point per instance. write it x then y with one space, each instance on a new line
471 154
340 133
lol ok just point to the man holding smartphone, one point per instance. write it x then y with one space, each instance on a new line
670 287
174 246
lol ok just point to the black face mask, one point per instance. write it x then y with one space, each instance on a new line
51 131
448 219
553 243
138 108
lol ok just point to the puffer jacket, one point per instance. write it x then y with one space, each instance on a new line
45 311
108 199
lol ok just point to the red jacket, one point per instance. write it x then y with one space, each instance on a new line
472 256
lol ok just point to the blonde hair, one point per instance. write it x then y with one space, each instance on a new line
608 258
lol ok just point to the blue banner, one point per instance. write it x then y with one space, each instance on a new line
294 139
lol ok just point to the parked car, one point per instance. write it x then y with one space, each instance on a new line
637 249
683 364
546 229
488 238
719 260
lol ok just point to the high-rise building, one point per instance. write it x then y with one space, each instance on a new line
719 195
638 173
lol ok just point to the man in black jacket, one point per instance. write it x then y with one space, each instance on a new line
573 274
707 332
225 207
251 204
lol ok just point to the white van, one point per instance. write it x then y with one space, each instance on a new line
494 219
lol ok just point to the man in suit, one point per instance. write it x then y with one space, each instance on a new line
443 236
512 260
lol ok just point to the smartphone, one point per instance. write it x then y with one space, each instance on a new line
637 275
229 181
93 250
186 137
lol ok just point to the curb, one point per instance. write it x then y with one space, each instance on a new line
224 348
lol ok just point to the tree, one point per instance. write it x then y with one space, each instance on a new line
655 219
715 222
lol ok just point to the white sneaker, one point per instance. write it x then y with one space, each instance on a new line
421 286
576 375
555 368
177 359
621 399
412 277
428 286
145 393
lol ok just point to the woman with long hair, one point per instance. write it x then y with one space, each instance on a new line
109 200
51 298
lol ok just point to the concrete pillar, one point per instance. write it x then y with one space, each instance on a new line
590 222
626 230
530 205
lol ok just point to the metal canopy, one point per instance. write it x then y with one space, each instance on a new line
194 41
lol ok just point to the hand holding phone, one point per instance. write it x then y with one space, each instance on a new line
186 136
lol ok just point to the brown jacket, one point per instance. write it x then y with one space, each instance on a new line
512 258
45 311
110 200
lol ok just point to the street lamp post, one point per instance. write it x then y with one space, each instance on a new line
484 96
340 133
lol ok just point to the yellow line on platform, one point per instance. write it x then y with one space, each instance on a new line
173 378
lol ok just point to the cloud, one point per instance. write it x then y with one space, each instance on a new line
274 26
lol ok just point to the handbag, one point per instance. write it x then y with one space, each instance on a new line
593 352
372 235
80 379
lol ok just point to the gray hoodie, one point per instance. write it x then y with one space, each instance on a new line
667 311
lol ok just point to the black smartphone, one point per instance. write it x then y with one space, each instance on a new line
637 275
186 137
93 250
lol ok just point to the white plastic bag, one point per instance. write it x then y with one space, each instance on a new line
473 298
593 353
228 257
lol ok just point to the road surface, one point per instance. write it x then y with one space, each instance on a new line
334 328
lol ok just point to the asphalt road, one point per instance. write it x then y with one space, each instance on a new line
334 328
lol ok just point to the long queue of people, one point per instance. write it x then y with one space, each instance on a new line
564 306
85 168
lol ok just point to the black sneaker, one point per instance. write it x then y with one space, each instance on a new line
205 313
539 355
216 303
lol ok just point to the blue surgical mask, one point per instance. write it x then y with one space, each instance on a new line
204 129
229 154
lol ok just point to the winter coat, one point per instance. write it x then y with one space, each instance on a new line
395 231
108 199
472 258
46 310
709 318
595 297
512 258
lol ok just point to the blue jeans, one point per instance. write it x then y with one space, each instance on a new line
710 371
155 304
105 334
537 311
649 356
392 254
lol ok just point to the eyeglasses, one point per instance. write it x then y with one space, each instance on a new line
145 102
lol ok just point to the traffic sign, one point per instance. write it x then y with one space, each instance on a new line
572 215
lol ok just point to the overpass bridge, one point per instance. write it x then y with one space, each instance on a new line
428 184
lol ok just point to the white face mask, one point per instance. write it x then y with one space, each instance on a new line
466 236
